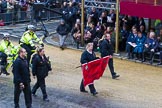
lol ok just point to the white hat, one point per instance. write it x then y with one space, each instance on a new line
31 27
6 35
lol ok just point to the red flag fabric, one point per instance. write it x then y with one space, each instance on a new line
94 70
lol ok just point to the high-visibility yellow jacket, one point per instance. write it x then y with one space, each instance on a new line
4 45
28 37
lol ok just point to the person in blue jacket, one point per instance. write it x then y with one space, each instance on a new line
139 41
131 38
150 47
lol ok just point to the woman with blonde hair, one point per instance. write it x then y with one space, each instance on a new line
40 68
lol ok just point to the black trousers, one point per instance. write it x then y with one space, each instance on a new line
91 87
160 57
40 83
111 67
27 95
129 50
3 62
3 57
148 51
28 49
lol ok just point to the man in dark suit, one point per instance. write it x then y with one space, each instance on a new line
22 79
106 49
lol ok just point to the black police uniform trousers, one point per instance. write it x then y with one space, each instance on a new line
3 57
40 83
91 87
28 49
111 67
27 95
3 62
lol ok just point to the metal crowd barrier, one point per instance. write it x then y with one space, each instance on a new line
26 16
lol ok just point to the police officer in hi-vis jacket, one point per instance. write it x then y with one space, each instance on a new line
27 39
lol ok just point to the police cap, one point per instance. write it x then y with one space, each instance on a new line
6 35
31 27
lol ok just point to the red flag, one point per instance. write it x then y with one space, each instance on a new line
94 70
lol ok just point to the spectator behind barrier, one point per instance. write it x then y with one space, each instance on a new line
139 41
150 47
76 34
124 33
131 39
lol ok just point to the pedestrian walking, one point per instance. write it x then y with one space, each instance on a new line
106 49
21 78
62 30
87 56
40 68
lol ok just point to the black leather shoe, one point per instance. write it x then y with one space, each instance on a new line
135 58
4 71
34 95
17 106
115 76
151 62
143 60
84 91
159 63
7 73
94 93
61 47
46 99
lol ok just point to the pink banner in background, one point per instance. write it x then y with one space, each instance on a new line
140 10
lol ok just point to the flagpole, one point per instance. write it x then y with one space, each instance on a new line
136 1
82 24
155 2
117 27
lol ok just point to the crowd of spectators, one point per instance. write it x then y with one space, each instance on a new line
7 6
22 5
13 10
140 44
134 39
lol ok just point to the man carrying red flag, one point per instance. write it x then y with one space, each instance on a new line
87 56
94 70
